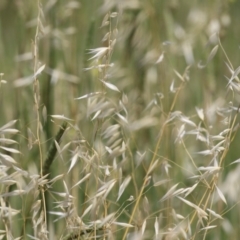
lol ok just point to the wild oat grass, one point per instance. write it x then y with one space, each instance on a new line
125 120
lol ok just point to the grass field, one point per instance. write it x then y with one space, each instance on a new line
119 119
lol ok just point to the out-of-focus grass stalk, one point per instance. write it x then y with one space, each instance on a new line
36 92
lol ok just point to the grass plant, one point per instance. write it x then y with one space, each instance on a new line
126 120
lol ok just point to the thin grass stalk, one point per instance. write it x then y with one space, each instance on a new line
152 161
205 232
229 137
53 150
37 103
